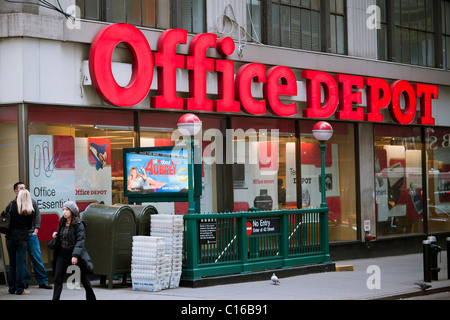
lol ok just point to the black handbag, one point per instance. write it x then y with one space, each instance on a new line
5 221
52 244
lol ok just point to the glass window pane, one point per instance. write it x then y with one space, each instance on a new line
163 17
422 45
382 43
198 15
92 9
414 48
438 157
429 8
272 185
276 25
306 30
397 12
118 11
340 35
186 12
332 5
405 13
295 30
254 23
285 26
340 177
447 17
9 162
421 15
413 14
430 50
447 49
66 143
340 6
406 52
315 4
148 13
398 180
133 11
315 30
333 33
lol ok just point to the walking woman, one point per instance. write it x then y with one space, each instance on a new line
22 212
70 250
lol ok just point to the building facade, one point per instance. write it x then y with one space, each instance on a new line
259 74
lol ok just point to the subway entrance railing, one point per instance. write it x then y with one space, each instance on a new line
240 242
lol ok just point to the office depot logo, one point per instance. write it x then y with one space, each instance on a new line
234 93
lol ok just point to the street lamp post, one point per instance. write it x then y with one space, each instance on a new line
189 125
323 132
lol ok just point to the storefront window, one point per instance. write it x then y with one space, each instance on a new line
264 166
9 164
438 165
398 180
77 154
340 177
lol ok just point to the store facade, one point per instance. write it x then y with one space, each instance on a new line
72 99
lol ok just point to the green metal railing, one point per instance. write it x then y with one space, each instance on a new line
241 242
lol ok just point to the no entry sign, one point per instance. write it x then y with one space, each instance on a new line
263 226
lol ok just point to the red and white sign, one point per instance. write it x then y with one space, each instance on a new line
249 228
234 93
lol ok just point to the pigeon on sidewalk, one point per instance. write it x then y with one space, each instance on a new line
423 286
274 279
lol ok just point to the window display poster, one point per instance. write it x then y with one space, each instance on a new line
52 171
93 170
66 168
160 171
398 182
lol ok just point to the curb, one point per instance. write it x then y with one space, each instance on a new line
257 275
412 293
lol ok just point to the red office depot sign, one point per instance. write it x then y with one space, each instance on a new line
234 93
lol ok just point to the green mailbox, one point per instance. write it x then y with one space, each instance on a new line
142 214
109 239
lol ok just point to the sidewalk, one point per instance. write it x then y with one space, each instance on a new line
398 277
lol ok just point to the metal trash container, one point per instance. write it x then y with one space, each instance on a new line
109 239
142 215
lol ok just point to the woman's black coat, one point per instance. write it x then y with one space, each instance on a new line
79 251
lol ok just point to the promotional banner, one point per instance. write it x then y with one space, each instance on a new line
160 171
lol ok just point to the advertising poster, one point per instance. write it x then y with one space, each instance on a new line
93 170
52 168
66 168
160 171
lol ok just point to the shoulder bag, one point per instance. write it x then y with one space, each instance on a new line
5 220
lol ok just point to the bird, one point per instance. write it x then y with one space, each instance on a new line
274 279
423 286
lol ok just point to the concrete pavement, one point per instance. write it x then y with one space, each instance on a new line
376 278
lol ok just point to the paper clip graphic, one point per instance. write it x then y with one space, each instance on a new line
49 164
37 161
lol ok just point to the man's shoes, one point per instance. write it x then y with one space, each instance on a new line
45 286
